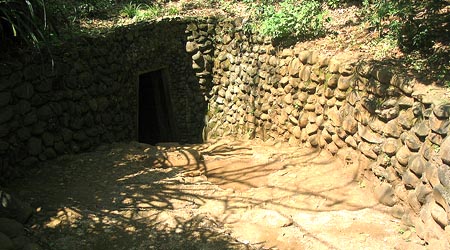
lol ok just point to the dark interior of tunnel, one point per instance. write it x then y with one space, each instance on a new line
154 122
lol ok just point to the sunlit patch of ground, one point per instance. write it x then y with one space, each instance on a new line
221 195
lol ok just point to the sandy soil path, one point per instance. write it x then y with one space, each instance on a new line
220 195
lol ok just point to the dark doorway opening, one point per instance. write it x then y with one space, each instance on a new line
155 123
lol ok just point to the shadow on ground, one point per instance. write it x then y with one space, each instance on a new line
137 196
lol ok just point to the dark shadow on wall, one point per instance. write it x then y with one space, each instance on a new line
155 119
87 93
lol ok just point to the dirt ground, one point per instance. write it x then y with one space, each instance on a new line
219 195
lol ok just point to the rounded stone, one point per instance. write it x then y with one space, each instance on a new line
5 242
402 155
30 161
367 134
265 117
390 146
383 74
406 119
439 126
422 129
431 175
38 128
444 175
442 111
435 138
333 81
191 47
297 132
412 142
350 125
410 179
6 114
385 194
445 150
4 130
441 195
60 147
22 107
413 202
416 164
21 241
294 67
311 128
351 142
338 141
344 82
303 120
439 214
5 98
332 148
11 228
422 192
30 118
34 146
288 99
24 133
366 149
44 113
32 246
24 91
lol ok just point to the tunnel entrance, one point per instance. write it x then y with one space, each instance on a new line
154 117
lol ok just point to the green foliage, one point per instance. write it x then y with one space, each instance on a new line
23 22
419 28
86 9
145 12
227 6
89 8
415 24
382 15
334 4
173 11
150 12
69 13
288 19
130 10
197 4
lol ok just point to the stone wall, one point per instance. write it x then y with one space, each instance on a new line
314 100
90 95
240 85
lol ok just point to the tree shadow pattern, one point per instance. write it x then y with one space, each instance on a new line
124 196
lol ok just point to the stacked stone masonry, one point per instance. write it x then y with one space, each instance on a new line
240 85
85 92
333 102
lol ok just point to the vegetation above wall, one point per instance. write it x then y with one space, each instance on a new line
413 33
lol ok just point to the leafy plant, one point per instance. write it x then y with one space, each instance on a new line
196 4
130 10
226 6
288 19
173 11
142 12
419 28
22 21
333 3
414 24
383 16
150 11
96 8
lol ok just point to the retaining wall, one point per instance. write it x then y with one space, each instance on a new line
334 102
89 95
240 85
